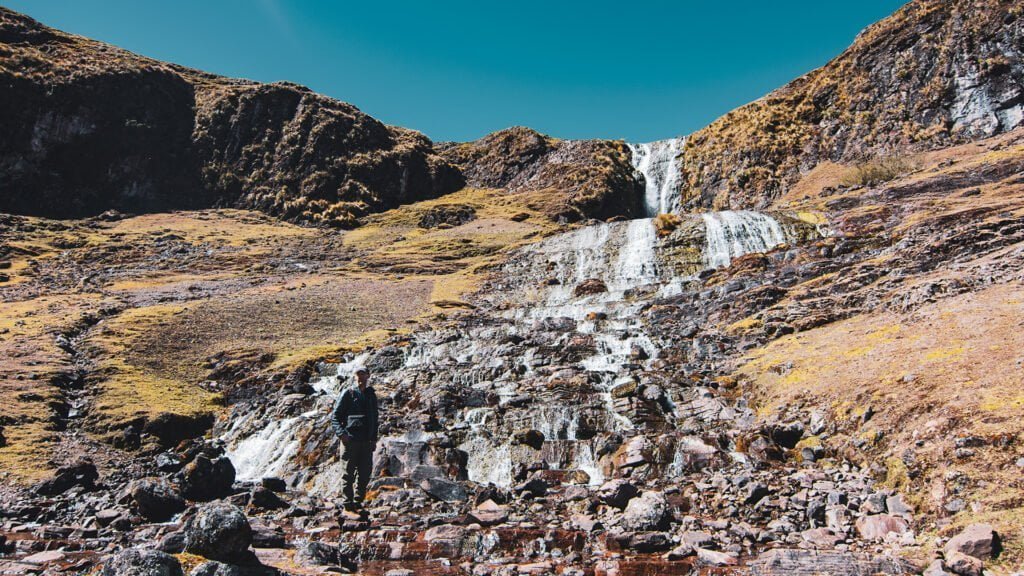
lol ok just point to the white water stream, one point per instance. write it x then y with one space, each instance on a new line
658 163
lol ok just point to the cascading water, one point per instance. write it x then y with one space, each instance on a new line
658 163
734 233
543 280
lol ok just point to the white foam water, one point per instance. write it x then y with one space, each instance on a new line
731 234
658 163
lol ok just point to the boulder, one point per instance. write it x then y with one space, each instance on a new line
264 536
274 484
445 541
977 540
877 527
536 486
212 568
787 435
172 542
81 473
139 562
715 558
170 428
155 499
204 479
963 564
219 531
590 286
532 438
489 513
696 539
754 492
617 493
649 511
444 489
265 499
316 554
649 542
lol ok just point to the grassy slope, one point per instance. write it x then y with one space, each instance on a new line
184 298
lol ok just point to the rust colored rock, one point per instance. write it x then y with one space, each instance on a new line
589 287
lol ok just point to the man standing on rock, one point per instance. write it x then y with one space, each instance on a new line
354 419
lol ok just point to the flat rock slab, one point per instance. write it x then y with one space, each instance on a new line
44 557
793 562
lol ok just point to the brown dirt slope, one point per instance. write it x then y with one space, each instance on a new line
935 73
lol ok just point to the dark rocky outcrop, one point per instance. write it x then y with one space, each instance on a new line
571 179
89 127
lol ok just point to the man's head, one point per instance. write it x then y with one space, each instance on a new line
362 377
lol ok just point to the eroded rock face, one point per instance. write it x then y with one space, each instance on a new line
89 127
934 73
574 179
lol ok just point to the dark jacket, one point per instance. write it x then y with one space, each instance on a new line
355 414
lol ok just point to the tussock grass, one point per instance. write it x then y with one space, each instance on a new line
877 171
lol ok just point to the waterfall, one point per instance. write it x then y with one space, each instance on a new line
731 234
268 452
625 256
658 163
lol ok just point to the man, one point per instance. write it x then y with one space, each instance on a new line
354 419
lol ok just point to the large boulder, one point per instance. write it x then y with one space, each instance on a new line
879 526
617 493
219 531
170 428
139 562
81 473
977 540
649 511
155 499
204 479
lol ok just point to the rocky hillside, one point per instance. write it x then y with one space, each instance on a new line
571 179
89 127
936 72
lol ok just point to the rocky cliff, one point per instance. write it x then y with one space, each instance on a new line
934 73
89 127
572 179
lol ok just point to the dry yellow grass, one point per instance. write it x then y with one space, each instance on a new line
948 370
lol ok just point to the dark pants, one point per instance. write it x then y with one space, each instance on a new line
358 458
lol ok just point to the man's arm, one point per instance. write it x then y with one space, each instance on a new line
339 415
374 417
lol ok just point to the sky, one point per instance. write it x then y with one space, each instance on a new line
456 70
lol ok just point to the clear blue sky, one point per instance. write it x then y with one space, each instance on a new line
456 70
